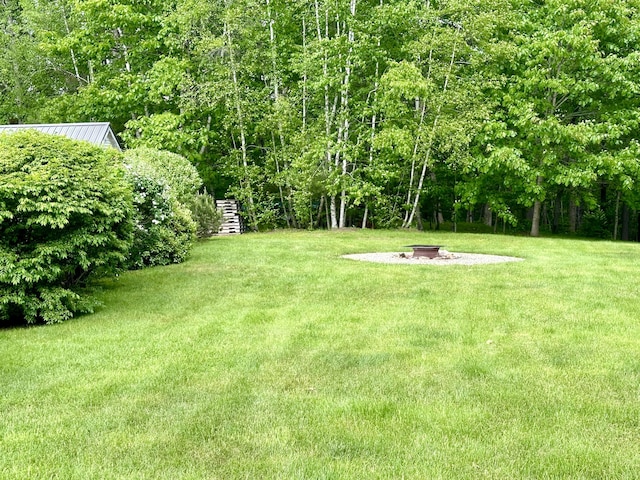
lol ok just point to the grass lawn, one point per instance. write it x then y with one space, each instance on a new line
269 356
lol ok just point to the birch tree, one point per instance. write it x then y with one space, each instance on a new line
429 106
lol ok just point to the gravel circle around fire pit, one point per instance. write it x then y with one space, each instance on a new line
445 258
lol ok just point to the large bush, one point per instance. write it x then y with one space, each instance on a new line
184 182
164 231
181 176
65 219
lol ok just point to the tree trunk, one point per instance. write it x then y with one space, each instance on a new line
280 190
625 222
332 222
74 60
246 181
320 210
344 138
326 209
423 110
203 148
416 145
557 213
437 215
573 216
535 220
372 138
615 223
364 217
275 82
334 212
537 210
304 77
487 215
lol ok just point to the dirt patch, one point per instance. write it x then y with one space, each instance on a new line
445 258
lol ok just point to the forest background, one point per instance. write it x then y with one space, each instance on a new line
519 114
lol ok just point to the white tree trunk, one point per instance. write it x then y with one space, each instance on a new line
425 163
345 112
304 76
422 109
327 110
275 82
243 140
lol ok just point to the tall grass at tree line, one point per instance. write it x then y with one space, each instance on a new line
269 356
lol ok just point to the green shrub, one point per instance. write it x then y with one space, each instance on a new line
181 176
183 180
206 215
65 219
164 231
594 224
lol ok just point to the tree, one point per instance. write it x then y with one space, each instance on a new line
567 70
25 77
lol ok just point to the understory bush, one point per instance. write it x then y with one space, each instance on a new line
164 231
65 219
594 224
206 215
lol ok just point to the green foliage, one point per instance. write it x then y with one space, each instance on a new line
164 231
594 224
65 219
184 182
25 73
384 107
564 74
181 176
204 212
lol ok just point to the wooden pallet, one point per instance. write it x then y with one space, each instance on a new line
231 219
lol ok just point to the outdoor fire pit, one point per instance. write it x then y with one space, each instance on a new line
429 251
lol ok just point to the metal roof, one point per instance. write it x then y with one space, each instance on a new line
98 133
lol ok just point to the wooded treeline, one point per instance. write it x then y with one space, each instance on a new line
333 113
